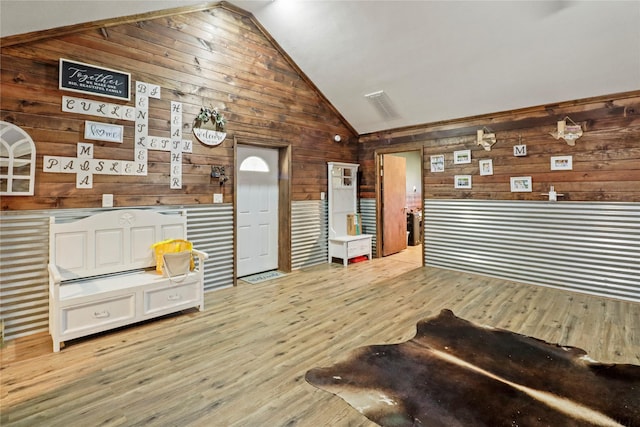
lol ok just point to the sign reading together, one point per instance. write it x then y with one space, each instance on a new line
85 78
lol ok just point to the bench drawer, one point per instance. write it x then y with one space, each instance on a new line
161 299
358 247
99 315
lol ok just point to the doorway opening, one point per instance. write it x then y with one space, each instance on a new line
399 202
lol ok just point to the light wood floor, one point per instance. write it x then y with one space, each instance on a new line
242 361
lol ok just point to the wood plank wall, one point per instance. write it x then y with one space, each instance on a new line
218 57
606 159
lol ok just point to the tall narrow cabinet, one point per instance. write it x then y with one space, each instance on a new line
343 200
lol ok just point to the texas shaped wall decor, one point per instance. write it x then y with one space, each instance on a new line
569 132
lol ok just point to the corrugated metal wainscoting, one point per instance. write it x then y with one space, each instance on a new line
590 247
210 228
309 233
24 254
24 280
368 214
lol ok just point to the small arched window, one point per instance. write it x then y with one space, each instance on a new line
17 161
254 164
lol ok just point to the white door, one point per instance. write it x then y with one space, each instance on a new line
257 210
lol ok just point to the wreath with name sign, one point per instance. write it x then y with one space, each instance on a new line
209 126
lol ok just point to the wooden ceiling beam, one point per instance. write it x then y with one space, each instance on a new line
508 120
103 23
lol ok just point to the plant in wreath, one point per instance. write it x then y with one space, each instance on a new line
209 126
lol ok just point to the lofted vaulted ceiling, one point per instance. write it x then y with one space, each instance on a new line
433 60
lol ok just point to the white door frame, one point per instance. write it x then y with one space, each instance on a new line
284 198
257 210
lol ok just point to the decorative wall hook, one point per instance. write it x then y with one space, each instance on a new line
553 195
485 138
219 172
569 132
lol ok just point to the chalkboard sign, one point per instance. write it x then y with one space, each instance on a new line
85 78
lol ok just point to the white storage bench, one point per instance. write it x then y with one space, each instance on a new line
102 273
347 247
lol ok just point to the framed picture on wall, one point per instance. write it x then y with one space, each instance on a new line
437 163
461 157
486 167
520 184
562 163
462 181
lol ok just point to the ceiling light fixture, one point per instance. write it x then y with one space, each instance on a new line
382 103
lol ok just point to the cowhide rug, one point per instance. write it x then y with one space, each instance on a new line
454 373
